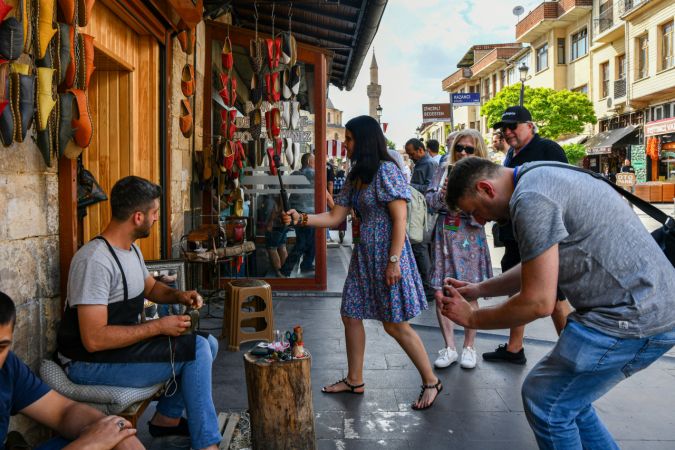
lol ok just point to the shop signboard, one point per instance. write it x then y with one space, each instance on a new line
466 99
660 127
626 179
436 112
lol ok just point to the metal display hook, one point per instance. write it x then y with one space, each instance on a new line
273 20
290 17
255 17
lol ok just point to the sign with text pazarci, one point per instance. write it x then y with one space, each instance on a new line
466 99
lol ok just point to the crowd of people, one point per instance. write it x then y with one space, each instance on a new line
562 250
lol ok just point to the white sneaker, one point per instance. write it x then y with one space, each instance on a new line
468 360
446 356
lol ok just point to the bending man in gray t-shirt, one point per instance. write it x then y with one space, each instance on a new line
575 232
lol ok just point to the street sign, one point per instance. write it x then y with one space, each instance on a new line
626 179
437 112
466 99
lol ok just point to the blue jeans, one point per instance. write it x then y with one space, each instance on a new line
584 365
305 246
193 392
56 443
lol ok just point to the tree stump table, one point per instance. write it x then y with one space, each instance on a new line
280 403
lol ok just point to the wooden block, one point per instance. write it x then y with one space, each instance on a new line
655 192
668 192
232 422
642 191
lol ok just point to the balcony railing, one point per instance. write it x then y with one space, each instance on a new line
620 88
626 5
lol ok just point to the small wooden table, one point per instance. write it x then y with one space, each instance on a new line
280 403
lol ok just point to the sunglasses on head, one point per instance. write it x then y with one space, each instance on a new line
465 148
510 126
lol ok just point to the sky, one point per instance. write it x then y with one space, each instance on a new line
418 44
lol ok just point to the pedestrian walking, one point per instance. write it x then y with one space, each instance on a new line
459 248
382 282
576 233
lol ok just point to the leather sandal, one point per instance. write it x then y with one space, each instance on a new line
65 126
84 8
82 124
226 56
185 120
45 97
86 66
438 386
352 388
11 39
187 82
45 24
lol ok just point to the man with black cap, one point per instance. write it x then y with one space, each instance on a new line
520 133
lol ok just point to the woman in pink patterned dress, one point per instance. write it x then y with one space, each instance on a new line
460 249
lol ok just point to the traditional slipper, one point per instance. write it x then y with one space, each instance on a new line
296 75
11 39
285 79
6 118
256 90
233 92
296 156
276 87
71 68
255 50
82 124
352 388
84 8
288 151
224 92
438 386
187 82
295 115
65 126
255 124
276 122
62 51
68 11
285 56
270 160
23 99
4 9
45 25
226 55
185 120
286 114
45 97
86 63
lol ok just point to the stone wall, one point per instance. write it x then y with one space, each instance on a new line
29 253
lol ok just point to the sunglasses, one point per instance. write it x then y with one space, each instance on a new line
510 126
465 148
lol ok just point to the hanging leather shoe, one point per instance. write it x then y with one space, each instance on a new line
228 156
269 46
224 92
45 24
226 56
288 151
186 39
62 51
21 14
45 143
185 120
4 76
45 97
233 92
255 52
23 100
4 9
256 90
6 118
86 65
285 56
187 82
296 156
71 68
11 39
276 87
277 51
65 125
276 123
285 84
84 8
296 75
252 152
255 124
68 11
286 114
294 51
81 121
295 115
270 160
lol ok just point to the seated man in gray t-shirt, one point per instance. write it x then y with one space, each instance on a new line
576 232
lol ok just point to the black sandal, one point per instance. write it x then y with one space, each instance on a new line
351 387
438 386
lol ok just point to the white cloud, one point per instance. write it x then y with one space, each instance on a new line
417 45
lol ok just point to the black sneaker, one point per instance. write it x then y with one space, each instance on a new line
503 355
179 430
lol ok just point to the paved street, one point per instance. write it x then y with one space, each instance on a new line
478 409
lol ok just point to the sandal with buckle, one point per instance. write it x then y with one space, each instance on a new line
352 388
438 386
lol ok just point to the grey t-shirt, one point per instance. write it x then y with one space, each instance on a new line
95 278
610 269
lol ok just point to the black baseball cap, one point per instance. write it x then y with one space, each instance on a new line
513 114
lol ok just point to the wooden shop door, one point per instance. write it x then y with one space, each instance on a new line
124 102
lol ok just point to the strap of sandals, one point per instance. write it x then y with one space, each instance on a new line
349 385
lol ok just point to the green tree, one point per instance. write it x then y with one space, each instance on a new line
555 112
574 152
391 144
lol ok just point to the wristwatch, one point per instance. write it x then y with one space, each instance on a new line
393 259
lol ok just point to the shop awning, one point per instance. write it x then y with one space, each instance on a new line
579 139
345 27
603 142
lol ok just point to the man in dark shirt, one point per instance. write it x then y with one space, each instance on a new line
420 180
627 167
520 133
22 392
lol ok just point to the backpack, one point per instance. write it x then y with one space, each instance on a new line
417 217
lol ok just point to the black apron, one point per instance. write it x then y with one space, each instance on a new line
126 312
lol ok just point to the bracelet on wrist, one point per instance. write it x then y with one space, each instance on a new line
305 218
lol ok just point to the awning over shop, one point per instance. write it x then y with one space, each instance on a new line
579 139
346 27
602 143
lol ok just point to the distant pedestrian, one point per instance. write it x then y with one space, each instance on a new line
434 147
627 167
520 133
459 249
577 234
382 283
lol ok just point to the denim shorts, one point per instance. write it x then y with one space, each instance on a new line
275 238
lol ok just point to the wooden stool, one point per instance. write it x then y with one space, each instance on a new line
261 318
280 403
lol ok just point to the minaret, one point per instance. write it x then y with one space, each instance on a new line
374 90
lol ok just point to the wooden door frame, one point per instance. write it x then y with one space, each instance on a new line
144 22
307 54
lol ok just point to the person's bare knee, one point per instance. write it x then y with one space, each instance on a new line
393 329
350 322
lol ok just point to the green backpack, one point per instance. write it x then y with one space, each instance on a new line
417 217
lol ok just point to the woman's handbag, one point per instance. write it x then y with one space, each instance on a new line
89 192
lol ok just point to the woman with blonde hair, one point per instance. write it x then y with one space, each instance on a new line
460 249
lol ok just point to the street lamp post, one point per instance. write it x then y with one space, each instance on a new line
523 69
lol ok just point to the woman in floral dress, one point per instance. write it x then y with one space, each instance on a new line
383 282
460 249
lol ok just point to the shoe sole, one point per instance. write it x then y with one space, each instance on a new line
443 367
517 362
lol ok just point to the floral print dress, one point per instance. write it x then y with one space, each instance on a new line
365 294
460 248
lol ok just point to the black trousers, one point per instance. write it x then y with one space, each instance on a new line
422 254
